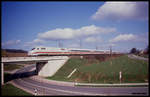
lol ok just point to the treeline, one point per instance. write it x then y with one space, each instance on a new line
15 50
137 51
13 53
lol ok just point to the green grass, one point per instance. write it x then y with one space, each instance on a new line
10 90
67 68
104 72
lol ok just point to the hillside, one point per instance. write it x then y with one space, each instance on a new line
13 53
93 70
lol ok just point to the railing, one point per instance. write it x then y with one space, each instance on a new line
16 59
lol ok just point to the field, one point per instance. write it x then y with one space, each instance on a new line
94 70
10 90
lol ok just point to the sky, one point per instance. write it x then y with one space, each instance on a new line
86 25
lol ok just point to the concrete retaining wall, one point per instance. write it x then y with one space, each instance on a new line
52 66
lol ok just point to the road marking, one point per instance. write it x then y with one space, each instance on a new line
66 91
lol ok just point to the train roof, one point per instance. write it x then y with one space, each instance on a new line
70 48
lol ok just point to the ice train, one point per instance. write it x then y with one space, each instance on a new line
64 51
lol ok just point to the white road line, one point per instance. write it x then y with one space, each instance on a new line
76 93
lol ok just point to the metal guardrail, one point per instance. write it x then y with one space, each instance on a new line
121 84
137 57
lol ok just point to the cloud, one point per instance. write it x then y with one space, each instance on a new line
122 10
74 45
38 41
92 39
123 37
69 33
11 42
35 42
18 41
58 33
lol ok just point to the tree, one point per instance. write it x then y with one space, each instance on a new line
133 51
4 53
137 51
146 51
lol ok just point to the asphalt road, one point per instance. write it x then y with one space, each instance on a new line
23 81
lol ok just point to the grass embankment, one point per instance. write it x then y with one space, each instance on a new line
95 71
10 90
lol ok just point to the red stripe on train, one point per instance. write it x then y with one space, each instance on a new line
66 53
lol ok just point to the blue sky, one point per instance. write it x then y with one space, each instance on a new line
122 25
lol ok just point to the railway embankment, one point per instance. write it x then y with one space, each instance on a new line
106 70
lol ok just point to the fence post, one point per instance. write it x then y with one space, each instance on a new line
120 76
2 73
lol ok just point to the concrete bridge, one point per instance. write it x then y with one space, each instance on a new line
45 66
31 59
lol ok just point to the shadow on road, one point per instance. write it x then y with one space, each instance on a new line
8 77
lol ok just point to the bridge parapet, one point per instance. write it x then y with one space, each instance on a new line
17 59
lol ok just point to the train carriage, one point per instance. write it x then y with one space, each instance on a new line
37 51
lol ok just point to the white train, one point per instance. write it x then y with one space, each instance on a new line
63 51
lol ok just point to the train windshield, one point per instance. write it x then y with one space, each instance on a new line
33 48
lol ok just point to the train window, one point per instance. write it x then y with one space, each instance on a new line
37 48
33 48
42 48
